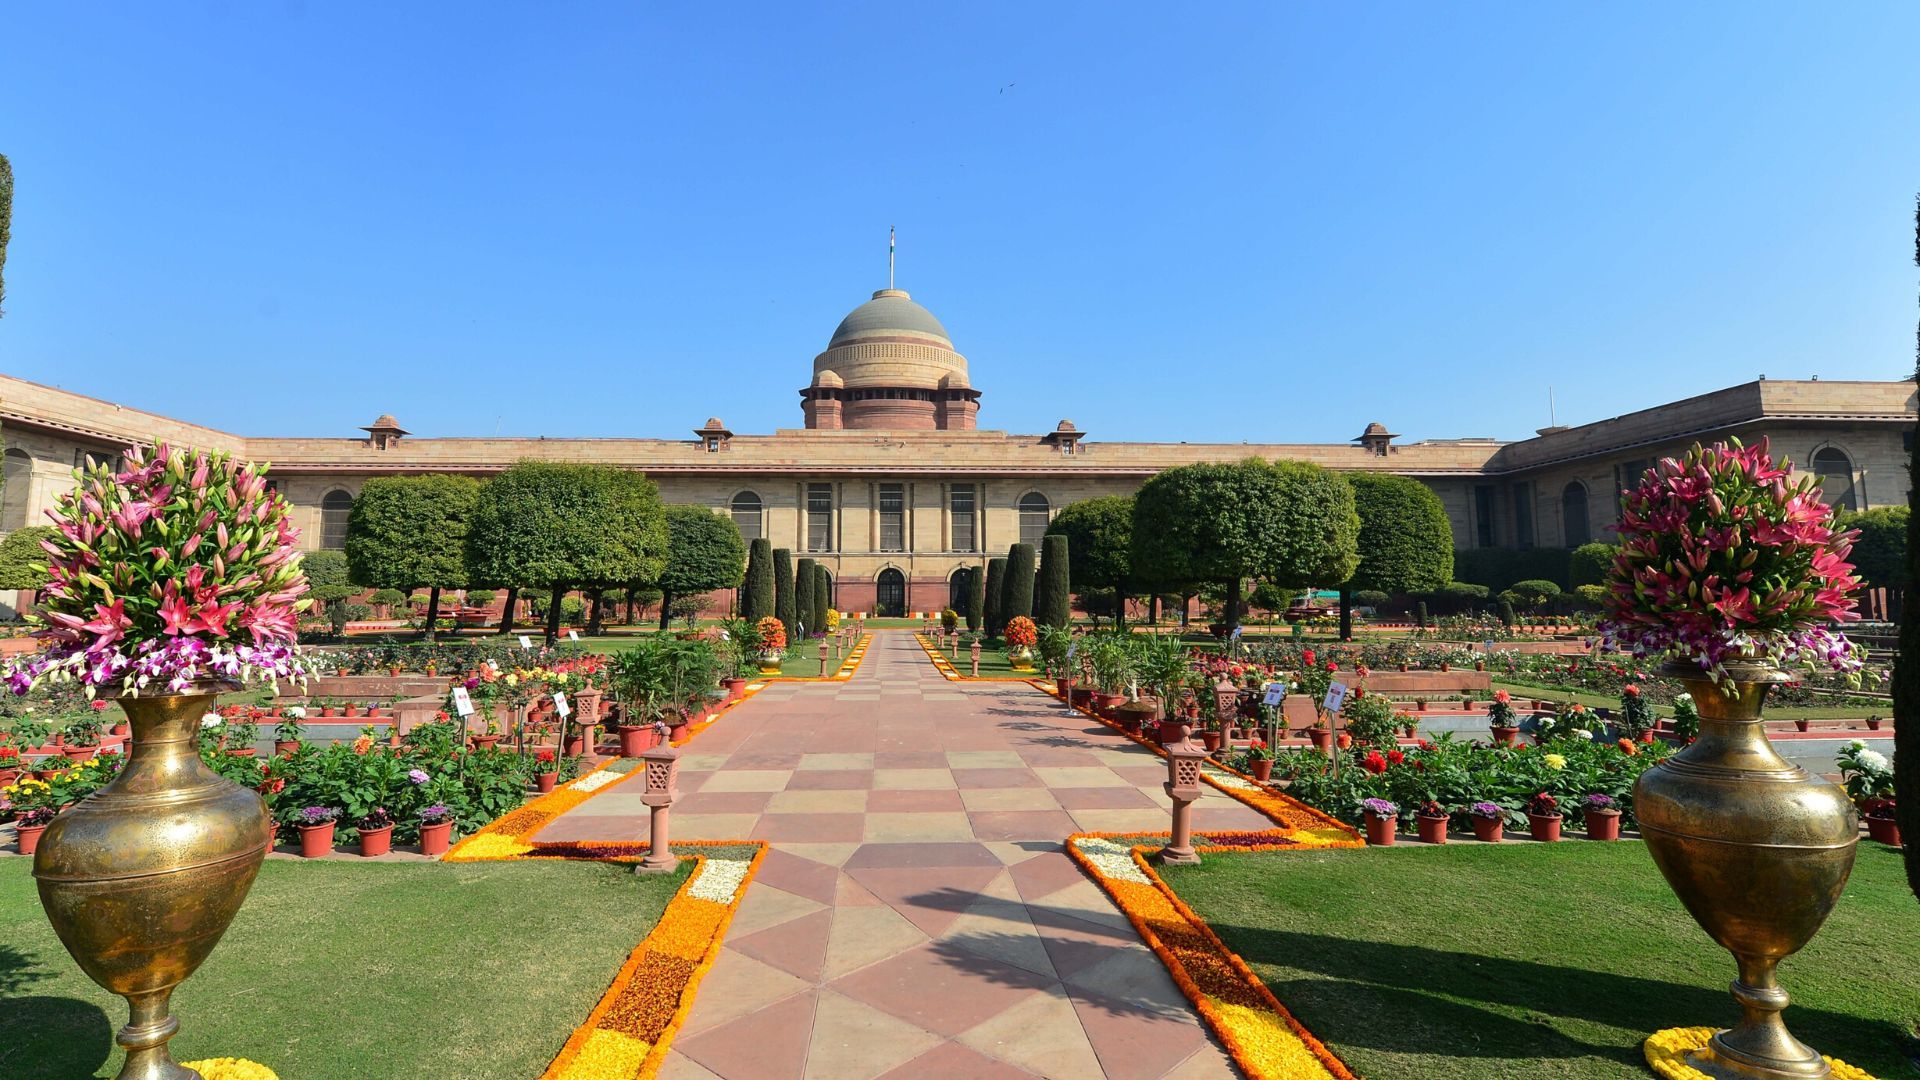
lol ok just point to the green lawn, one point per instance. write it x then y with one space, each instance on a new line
1774 712
348 970
993 659
1533 960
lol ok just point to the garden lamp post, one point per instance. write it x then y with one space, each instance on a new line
662 765
1226 705
823 658
976 657
1183 787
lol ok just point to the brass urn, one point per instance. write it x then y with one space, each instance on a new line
142 879
1758 851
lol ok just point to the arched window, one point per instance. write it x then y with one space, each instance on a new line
334 511
746 511
1034 517
1574 529
1835 471
890 594
18 478
960 589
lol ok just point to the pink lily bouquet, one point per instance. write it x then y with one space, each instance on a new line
179 569
1722 558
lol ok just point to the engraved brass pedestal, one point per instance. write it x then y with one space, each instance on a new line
142 879
1758 851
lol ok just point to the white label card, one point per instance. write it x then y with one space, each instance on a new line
560 705
573 635
1336 694
1276 692
462 704
526 642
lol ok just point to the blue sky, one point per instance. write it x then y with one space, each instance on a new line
1267 222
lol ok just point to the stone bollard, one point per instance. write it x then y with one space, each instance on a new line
823 658
953 642
1183 787
976 658
663 772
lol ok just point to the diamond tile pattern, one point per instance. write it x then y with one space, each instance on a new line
916 916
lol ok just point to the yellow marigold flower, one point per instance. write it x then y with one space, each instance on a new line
606 1055
1666 1053
231 1069
489 846
1554 761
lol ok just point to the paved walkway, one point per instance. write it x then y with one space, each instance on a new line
916 916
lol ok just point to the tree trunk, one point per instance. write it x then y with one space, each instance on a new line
1186 610
630 593
1120 605
596 619
666 605
1232 618
553 611
1153 608
433 610
506 613
1346 614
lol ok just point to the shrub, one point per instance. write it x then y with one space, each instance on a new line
1372 598
1533 592
1500 568
21 553
357 612
1420 614
480 598
387 597
1589 564
573 610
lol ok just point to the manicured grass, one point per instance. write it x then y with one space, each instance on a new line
993 659
349 970
1532 960
1774 712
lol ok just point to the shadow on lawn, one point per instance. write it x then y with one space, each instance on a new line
1409 999
46 1036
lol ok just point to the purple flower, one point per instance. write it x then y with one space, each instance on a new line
317 815
1597 801
435 814
1380 808
418 776
1486 810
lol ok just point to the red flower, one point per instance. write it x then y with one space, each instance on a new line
1395 757
1627 747
1306 657
1333 665
1424 744
1630 690
1374 763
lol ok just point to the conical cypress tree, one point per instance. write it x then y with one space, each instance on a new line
1019 587
783 599
1053 596
804 579
995 588
822 594
1906 667
976 597
759 599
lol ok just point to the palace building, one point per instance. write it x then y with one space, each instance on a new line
892 484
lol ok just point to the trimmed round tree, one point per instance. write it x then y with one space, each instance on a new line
410 532
1053 595
784 607
976 598
564 526
996 594
23 562
822 598
327 582
1017 592
805 577
758 603
1405 543
704 553
1589 564
1880 552
1099 534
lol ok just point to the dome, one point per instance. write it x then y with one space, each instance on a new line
955 380
890 314
828 378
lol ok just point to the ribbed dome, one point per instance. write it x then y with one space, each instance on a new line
891 313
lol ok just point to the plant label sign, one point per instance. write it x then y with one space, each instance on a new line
573 635
526 642
560 705
1276 693
1336 694
462 703
1487 646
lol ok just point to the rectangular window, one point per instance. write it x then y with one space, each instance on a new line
819 517
1523 516
893 517
1483 515
961 503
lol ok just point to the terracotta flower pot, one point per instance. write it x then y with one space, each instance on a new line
1603 824
79 753
1322 738
635 738
376 841
1262 769
285 746
1505 736
1172 732
545 781
8 776
1647 737
1210 740
352 711
1800 725
1544 827
1488 830
434 838
1884 830
736 687
1873 723
1078 697
122 729
1379 830
28 837
316 840
576 744
1479 665
245 751
486 742
1433 830
1064 685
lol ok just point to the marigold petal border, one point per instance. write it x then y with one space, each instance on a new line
1666 1052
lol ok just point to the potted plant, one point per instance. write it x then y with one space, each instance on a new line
1636 716
1260 760
1021 635
316 824
1321 735
1112 665
376 833
1056 647
1603 816
1369 718
1868 777
9 765
1500 719
1433 822
82 736
286 734
1489 821
1381 817
436 829
1882 826
738 643
1543 817
771 635
545 769
29 826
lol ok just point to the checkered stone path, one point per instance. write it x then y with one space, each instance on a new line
917 915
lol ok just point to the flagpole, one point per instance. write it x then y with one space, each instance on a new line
889 256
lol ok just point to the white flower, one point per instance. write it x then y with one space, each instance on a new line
297 713
210 720
1584 734
1873 761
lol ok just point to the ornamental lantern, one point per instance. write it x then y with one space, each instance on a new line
1183 787
658 792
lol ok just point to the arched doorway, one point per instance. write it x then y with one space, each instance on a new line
959 587
1835 471
1574 527
890 594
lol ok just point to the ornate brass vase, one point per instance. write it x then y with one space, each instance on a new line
142 879
1758 851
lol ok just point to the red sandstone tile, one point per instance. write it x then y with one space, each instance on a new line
894 802
1136 1041
1102 798
723 802
831 780
797 946
1074 945
1141 774
951 1061
802 877
815 828
770 1044
1021 824
1053 756
910 759
930 898
894 856
1229 818
1048 872
941 990
995 778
